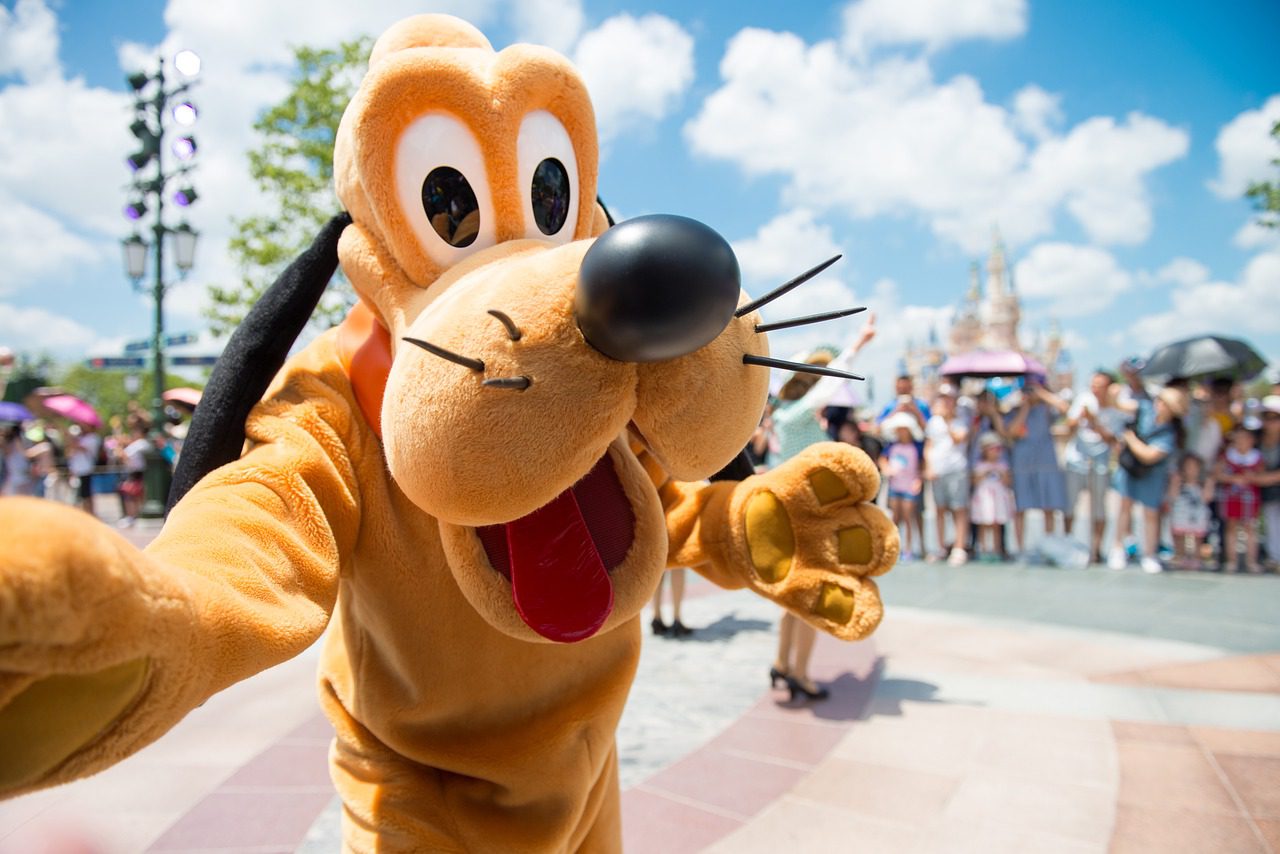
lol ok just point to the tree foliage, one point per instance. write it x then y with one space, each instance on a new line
293 168
1266 194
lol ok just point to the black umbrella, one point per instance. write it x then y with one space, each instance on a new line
1205 356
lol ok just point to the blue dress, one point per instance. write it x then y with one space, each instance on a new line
1038 483
1148 490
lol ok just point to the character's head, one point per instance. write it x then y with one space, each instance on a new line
1271 418
1191 468
945 403
1244 437
526 349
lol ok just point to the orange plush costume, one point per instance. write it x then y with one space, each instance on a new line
478 530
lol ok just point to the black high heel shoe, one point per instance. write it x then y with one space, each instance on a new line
776 676
680 630
798 688
659 627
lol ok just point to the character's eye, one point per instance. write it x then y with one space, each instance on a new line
549 174
443 188
550 196
451 206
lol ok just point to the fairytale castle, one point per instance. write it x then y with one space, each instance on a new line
987 320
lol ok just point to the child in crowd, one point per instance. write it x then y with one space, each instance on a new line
947 469
1239 496
1189 511
902 469
1269 480
992 503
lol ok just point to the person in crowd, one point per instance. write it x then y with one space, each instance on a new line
676 629
1269 479
83 449
906 401
1189 495
902 467
17 468
135 464
1094 424
1038 483
762 441
947 471
1239 496
796 425
43 453
987 418
1142 477
850 432
992 502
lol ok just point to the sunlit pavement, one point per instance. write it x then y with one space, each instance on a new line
998 708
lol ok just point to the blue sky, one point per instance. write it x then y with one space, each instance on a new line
1109 142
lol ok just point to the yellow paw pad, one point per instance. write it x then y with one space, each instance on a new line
827 486
835 603
854 545
769 538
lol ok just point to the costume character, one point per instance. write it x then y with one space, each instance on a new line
474 483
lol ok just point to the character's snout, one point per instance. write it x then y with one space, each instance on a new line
655 288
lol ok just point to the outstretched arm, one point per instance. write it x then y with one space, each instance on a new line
103 647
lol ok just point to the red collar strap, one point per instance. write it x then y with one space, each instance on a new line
364 349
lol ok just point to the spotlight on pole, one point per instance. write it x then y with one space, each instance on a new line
187 63
136 209
186 196
185 113
184 147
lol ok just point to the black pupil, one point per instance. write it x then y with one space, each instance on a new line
550 196
451 206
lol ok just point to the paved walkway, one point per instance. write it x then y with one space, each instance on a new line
998 708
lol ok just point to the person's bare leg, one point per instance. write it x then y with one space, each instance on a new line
1019 520
677 577
940 517
658 626
805 635
1150 531
961 517
1124 522
786 633
1251 546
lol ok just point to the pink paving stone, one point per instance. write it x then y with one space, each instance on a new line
734 783
286 765
779 738
314 728
653 823
245 820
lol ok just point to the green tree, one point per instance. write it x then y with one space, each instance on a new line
1266 194
293 167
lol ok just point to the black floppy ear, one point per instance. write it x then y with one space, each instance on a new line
608 217
251 359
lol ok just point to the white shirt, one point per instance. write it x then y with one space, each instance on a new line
135 455
1087 449
942 453
80 462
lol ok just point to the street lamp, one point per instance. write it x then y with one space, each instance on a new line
152 108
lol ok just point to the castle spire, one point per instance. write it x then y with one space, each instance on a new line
975 284
996 265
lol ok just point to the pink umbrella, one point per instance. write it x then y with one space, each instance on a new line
72 407
991 363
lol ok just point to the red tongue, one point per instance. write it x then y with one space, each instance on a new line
559 582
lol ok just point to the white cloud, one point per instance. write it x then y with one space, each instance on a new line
888 138
38 330
28 41
1186 272
636 69
1077 280
554 23
785 247
1248 305
932 23
1036 112
36 247
1246 150
1254 236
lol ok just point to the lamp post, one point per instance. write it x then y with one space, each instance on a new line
154 106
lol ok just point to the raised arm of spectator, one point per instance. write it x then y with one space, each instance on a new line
825 388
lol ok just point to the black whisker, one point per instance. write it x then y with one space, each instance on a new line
518 383
802 367
512 329
784 288
466 362
812 318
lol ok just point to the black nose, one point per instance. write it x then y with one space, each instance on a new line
656 287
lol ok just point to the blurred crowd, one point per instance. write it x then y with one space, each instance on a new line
1180 475
64 461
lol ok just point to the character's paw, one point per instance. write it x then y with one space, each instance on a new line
811 540
81 634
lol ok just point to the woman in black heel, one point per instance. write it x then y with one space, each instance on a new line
676 629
